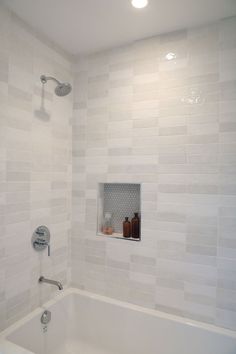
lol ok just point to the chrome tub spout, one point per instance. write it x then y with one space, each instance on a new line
52 282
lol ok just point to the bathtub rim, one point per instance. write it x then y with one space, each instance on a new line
156 313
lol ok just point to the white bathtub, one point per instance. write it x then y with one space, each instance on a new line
84 323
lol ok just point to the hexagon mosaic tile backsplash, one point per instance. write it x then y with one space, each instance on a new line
121 200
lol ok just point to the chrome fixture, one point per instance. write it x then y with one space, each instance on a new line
52 282
46 317
41 239
62 88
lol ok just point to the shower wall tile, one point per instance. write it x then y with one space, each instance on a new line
35 167
170 125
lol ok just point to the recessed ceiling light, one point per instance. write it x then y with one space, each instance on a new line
139 4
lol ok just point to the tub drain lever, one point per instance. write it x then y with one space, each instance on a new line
46 317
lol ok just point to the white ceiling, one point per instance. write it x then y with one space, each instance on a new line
85 26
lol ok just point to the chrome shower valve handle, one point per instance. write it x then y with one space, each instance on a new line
41 239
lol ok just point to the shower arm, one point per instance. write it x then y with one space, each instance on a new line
44 79
61 89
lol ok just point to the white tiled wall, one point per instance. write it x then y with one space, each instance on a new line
170 125
133 122
35 167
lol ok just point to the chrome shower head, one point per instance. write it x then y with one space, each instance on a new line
62 89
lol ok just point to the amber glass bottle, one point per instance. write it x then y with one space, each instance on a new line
127 228
135 226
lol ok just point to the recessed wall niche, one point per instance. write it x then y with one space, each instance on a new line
121 200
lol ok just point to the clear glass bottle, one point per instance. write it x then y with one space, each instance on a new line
135 226
126 227
107 227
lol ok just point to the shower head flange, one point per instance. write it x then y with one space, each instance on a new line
43 79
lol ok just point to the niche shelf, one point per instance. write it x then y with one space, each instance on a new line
120 199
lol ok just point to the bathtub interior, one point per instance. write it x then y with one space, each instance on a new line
85 325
